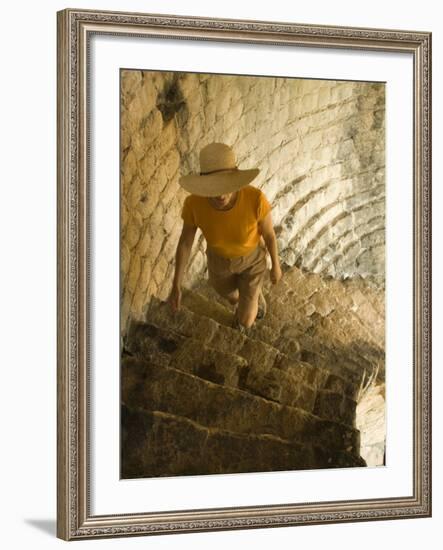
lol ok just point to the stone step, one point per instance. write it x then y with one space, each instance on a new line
350 293
158 387
360 292
201 305
157 444
207 303
165 347
319 378
212 334
345 327
261 378
324 356
330 404
301 346
350 361
281 387
291 353
322 317
351 319
287 359
307 294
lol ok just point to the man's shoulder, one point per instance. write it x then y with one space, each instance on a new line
195 204
253 193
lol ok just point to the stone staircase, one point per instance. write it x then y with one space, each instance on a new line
198 397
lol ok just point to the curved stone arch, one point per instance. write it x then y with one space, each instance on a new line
314 263
324 210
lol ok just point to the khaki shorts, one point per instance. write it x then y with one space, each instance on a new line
245 273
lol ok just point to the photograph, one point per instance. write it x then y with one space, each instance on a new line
221 227
252 273
243 304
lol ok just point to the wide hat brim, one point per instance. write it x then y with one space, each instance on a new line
219 183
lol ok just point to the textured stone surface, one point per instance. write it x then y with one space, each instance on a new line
201 397
211 333
337 331
319 146
371 422
272 373
154 387
294 393
331 404
281 387
188 448
165 347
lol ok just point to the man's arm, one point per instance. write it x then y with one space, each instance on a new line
266 228
182 254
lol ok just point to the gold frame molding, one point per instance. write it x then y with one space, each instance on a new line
74 519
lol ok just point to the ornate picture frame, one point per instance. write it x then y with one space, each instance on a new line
75 518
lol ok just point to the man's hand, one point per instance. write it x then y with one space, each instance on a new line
275 274
175 298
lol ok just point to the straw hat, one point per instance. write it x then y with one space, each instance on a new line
219 173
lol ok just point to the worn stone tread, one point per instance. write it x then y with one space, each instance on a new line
163 346
287 342
261 378
200 305
263 354
161 387
212 334
293 380
291 351
158 444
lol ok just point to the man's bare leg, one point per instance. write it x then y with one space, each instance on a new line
247 309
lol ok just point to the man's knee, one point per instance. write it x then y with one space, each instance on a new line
233 297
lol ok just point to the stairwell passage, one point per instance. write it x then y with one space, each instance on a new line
198 397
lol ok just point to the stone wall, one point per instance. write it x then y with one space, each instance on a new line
320 147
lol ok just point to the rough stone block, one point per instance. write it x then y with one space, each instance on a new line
336 406
200 305
264 384
183 321
157 444
216 366
134 273
278 385
258 354
129 167
289 347
130 83
163 347
324 97
308 103
149 386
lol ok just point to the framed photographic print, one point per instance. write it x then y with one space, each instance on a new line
243 274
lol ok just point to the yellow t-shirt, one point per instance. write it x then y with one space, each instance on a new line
229 233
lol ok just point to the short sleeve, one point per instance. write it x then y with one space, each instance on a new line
187 212
264 207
